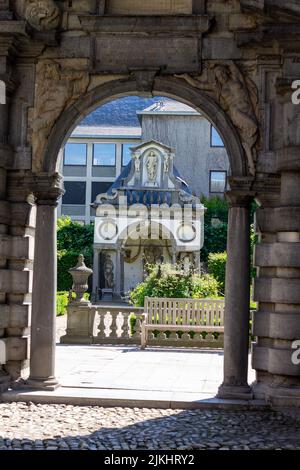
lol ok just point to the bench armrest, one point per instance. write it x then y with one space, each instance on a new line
144 317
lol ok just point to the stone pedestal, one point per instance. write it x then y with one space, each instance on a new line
107 295
80 323
237 298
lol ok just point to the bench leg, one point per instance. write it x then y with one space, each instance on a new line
143 336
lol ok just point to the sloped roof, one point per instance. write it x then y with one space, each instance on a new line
146 194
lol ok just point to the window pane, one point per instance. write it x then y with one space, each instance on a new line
217 181
216 140
75 192
75 154
104 154
99 188
126 154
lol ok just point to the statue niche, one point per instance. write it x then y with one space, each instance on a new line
108 272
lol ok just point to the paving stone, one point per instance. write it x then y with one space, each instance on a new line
44 427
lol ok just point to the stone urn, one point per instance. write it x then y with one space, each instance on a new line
80 275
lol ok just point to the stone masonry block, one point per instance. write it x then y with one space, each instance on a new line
277 254
16 348
16 247
4 212
277 325
278 219
15 282
14 316
274 360
277 290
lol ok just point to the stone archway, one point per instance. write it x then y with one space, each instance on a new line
59 64
237 316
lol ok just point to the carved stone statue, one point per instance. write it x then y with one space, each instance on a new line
153 254
137 162
166 163
57 88
109 272
42 15
152 166
237 96
234 96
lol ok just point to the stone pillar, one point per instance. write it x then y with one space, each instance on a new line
42 347
277 289
237 298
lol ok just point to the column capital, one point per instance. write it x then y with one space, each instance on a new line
239 198
40 188
47 188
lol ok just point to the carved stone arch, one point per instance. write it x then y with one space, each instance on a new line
163 86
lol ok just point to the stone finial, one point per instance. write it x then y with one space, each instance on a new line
80 274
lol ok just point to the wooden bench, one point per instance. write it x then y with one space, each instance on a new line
184 315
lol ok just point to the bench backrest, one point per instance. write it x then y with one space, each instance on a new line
184 311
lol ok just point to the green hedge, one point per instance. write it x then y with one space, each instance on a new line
62 300
216 264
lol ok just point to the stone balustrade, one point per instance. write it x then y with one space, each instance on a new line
96 324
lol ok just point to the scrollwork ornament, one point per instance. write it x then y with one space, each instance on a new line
42 15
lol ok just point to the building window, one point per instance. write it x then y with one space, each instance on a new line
217 181
99 188
75 154
104 155
126 154
75 193
215 138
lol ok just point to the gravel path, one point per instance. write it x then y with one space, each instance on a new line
30 426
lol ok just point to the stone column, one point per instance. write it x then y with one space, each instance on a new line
42 350
237 298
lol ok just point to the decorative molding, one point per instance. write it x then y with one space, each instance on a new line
57 88
42 15
237 94
145 79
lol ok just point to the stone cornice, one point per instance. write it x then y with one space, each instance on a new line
146 24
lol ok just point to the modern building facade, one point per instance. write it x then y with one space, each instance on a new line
95 156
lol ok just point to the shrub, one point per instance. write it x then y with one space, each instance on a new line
216 267
204 286
62 300
169 281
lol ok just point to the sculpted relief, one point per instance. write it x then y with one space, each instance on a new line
152 167
237 96
42 15
57 88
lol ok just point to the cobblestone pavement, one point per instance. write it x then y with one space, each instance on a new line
51 427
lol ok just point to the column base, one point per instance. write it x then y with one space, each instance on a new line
235 392
49 383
